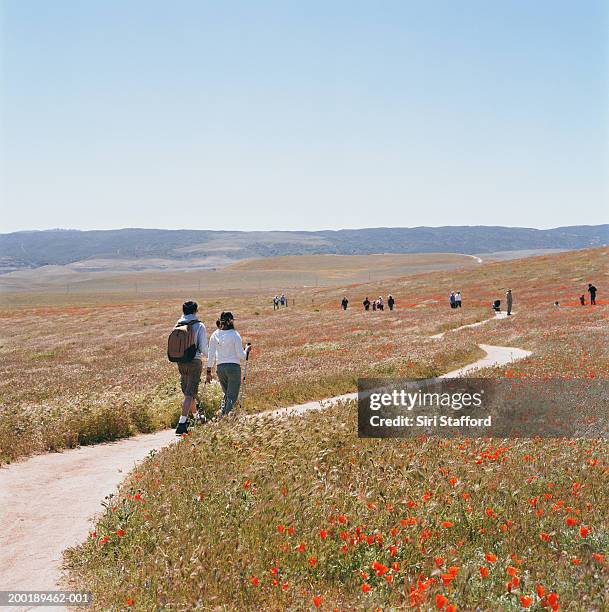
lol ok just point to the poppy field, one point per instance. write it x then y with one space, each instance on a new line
300 514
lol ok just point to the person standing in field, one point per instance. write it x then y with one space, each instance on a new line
582 299
226 350
374 306
390 301
592 292
276 303
458 299
381 304
344 303
366 303
452 299
283 300
190 360
508 297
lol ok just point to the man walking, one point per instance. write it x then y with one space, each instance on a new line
190 370
592 292
508 297
344 303
366 303
226 349
458 299
390 301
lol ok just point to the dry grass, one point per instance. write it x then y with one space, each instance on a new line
269 516
80 374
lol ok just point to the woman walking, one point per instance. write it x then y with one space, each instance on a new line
226 349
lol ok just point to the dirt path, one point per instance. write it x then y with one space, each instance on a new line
47 502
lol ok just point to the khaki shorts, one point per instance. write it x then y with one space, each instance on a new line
190 376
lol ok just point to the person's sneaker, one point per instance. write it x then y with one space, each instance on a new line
182 428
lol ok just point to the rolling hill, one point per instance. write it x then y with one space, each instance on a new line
158 248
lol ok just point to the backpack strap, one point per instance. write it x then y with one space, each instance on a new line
187 323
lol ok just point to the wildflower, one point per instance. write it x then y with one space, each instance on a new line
575 561
395 566
511 570
584 531
312 561
323 534
247 484
540 590
599 557
129 601
254 580
447 578
342 519
490 557
544 536
290 530
570 521
274 571
284 586
366 588
441 601
525 601
317 601
120 533
280 528
447 524
439 561
483 571
451 608
389 578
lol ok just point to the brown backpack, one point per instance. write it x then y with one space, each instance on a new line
182 342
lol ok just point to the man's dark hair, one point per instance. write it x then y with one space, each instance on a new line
189 307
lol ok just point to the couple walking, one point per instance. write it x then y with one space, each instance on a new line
455 299
188 345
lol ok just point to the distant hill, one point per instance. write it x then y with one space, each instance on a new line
205 248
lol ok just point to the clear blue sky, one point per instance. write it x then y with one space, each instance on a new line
303 114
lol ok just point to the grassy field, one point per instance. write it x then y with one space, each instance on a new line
114 280
96 370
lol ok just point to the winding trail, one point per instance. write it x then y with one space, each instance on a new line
48 501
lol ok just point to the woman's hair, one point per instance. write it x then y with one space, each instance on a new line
226 321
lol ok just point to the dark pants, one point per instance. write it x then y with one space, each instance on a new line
229 375
593 298
509 307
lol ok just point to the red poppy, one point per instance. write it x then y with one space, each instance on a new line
584 531
483 571
366 588
255 581
317 601
441 601
323 534
490 557
525 601
447 524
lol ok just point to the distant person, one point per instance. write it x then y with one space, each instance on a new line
582 299
276 303
556 303
592 292
282 299
452 299
226 350
366 303
344 303
186 346
458 299
509 298
374 306
381 303
390 302
496 305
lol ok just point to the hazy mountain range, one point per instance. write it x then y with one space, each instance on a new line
144 248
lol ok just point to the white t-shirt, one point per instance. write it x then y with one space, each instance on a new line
225 346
